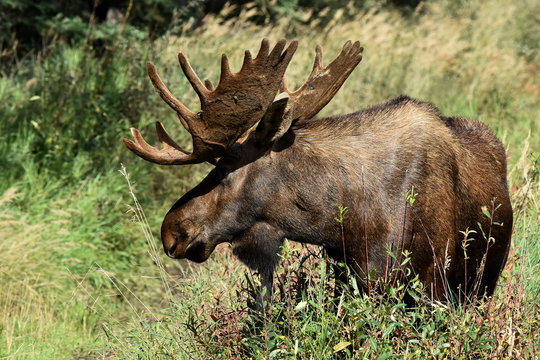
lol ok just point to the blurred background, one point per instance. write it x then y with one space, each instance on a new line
78 278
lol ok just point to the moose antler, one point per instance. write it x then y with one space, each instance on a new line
227 112
323 82
320 87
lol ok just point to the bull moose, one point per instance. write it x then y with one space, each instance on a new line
410 178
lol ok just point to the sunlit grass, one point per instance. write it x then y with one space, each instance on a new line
32 322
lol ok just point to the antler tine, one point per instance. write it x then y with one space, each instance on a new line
225 70
248 60
208 84
168 97
323 83
192 77
317 63
278 49
264 58
287 55
263 51
170 154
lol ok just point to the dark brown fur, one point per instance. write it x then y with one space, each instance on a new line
366 161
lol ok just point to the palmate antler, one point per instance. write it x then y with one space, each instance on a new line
227 112
323 82
242 99
320 87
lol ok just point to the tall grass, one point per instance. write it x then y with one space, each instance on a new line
31 285
76 277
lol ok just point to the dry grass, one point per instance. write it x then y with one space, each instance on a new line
28 304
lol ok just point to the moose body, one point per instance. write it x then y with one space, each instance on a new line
409 178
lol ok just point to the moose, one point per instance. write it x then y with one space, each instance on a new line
410 178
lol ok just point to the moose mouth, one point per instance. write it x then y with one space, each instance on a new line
199 249
196 251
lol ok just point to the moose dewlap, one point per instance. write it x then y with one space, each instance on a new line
410 178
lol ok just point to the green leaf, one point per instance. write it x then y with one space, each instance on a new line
389 329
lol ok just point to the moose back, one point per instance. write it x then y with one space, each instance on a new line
410 178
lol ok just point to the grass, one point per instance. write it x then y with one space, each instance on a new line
78 278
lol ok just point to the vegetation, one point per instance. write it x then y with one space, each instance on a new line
82 273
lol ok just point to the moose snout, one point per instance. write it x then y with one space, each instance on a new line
176 236
171 241
170 244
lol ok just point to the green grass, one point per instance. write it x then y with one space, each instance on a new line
78 279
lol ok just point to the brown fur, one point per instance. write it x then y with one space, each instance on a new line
367 161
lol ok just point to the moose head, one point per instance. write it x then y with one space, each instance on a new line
287 176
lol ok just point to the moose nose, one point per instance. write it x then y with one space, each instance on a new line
171 250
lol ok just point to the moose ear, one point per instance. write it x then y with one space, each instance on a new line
276 121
